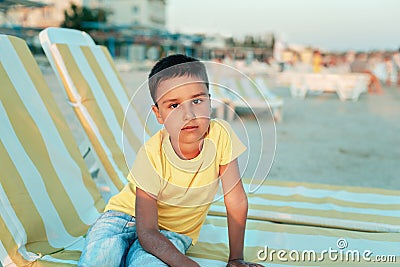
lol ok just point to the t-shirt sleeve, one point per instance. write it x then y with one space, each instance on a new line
230 144
143 173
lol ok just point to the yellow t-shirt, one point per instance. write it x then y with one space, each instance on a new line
184 188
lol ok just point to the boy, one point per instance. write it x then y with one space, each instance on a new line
159 213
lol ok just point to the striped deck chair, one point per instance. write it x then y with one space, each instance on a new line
100 100
222 97
48 198
341 207
246 95
242 93
301 217
83 141
278 244
275 102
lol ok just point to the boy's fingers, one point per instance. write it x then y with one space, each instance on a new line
242 263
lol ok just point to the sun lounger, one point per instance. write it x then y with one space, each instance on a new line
275 102
47 196
277 244
83 141
244 94
301 217
348 86
101 102
343 207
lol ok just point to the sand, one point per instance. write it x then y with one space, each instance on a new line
320 139
324 140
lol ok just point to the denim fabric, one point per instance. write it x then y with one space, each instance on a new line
112 242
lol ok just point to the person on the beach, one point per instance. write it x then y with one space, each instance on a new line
396 61
174 179
317 61
360 65
278 49
389 67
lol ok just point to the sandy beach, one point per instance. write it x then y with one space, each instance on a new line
320 139
324 140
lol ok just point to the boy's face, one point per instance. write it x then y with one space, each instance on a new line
184 107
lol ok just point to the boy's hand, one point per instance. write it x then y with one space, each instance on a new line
242 263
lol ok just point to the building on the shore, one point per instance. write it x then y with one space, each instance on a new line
148 13
129 22
52 14
134 30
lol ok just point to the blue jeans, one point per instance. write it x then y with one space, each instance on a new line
112 241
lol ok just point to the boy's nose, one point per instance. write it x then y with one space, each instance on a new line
188 112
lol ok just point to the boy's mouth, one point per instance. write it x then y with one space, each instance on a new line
189 127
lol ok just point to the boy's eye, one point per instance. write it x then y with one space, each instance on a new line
174 105
197 101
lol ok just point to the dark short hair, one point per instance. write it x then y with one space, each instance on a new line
177 65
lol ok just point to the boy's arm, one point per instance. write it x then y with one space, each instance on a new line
236 208
149 235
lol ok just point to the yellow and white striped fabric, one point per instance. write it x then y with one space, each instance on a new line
47 196
101 102
343 207
270 238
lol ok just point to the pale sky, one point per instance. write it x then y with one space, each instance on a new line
328 24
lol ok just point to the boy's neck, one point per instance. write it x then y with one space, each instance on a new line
187 151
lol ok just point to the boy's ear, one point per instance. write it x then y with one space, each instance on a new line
156 112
